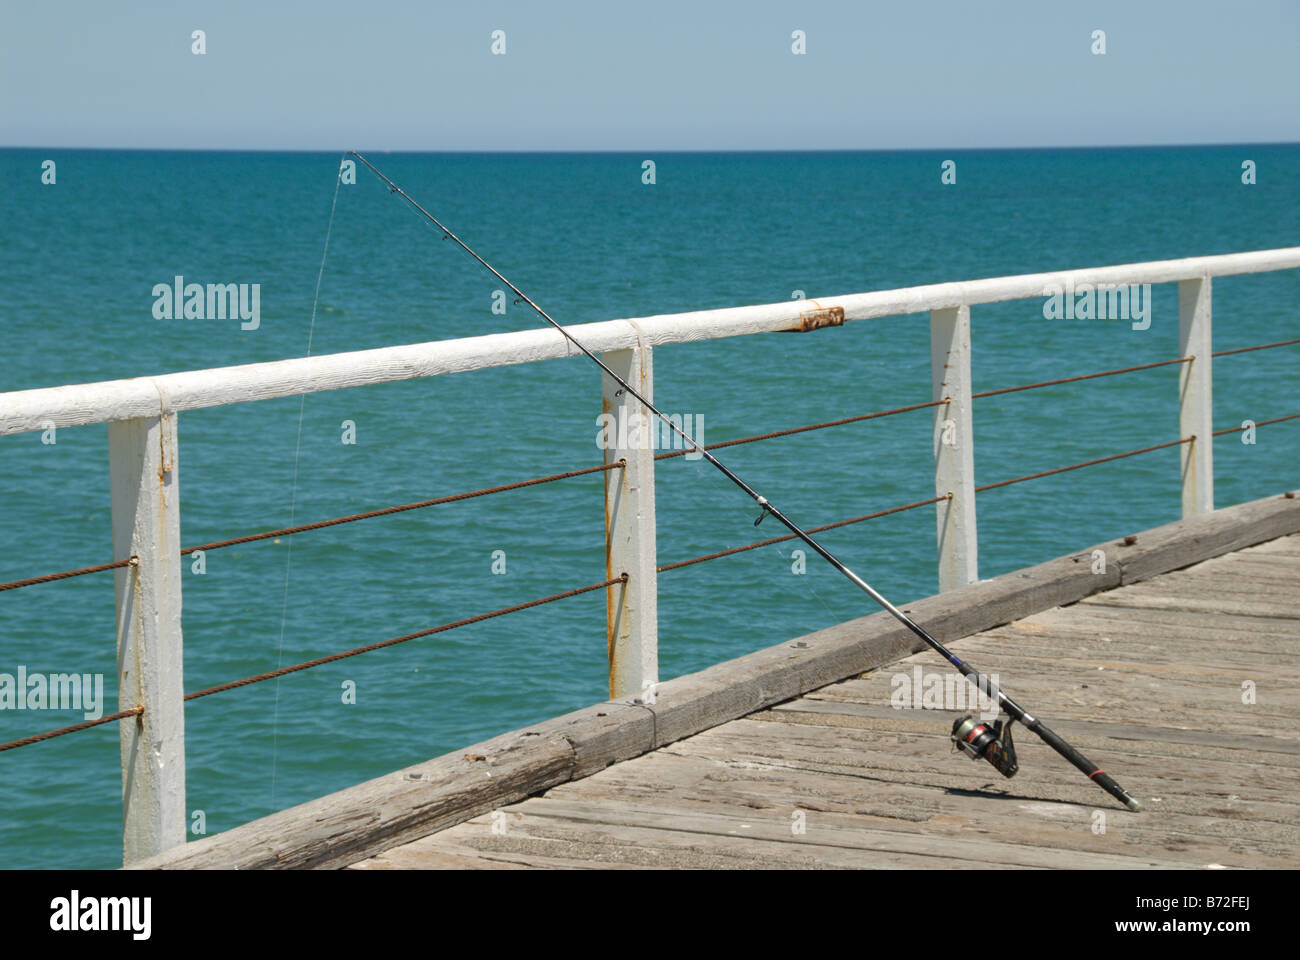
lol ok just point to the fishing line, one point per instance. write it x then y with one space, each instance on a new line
293 487
978 740
805 582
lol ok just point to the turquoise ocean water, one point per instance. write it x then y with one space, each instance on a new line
589 241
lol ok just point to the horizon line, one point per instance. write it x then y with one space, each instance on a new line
659 150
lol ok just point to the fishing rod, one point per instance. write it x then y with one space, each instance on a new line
978 740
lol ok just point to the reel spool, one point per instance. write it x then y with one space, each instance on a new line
979 740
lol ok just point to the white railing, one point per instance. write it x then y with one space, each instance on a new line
143 461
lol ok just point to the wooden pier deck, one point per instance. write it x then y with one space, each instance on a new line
1147 679
1173 664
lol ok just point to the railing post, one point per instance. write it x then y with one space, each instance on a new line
632 608
146 525
1196 396
954 447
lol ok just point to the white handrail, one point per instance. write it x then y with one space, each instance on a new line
75 405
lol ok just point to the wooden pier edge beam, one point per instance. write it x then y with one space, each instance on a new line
351 825
954 443
632 607
1196 396
145 493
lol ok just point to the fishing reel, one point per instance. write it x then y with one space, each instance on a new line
979 740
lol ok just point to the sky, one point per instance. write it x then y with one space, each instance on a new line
662 74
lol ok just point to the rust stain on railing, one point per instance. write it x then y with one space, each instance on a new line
816 319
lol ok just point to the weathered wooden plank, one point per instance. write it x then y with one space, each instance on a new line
1186 630
1154 653
715 832
675 781
1102 669
1272 561
1248 561
347 826
1182 544
1221 583
1228 575
1073 668
662 847
1215 605
1140 645
1100 697
1190 627
927 758
342 828
688 769
447 854
1287 546
1150 737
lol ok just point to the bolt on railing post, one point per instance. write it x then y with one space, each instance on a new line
954 447
632 607
1196 396
146 525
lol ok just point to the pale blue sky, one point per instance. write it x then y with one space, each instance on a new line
662 74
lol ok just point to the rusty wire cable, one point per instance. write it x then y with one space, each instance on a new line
403 639
451 498
50 577
1130 453
1262 423
1084 376
931 403
829 526
295 668
51 734
813 426
1262 346
1086 463
936 403
289 531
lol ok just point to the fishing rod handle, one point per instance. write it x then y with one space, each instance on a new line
1095 773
